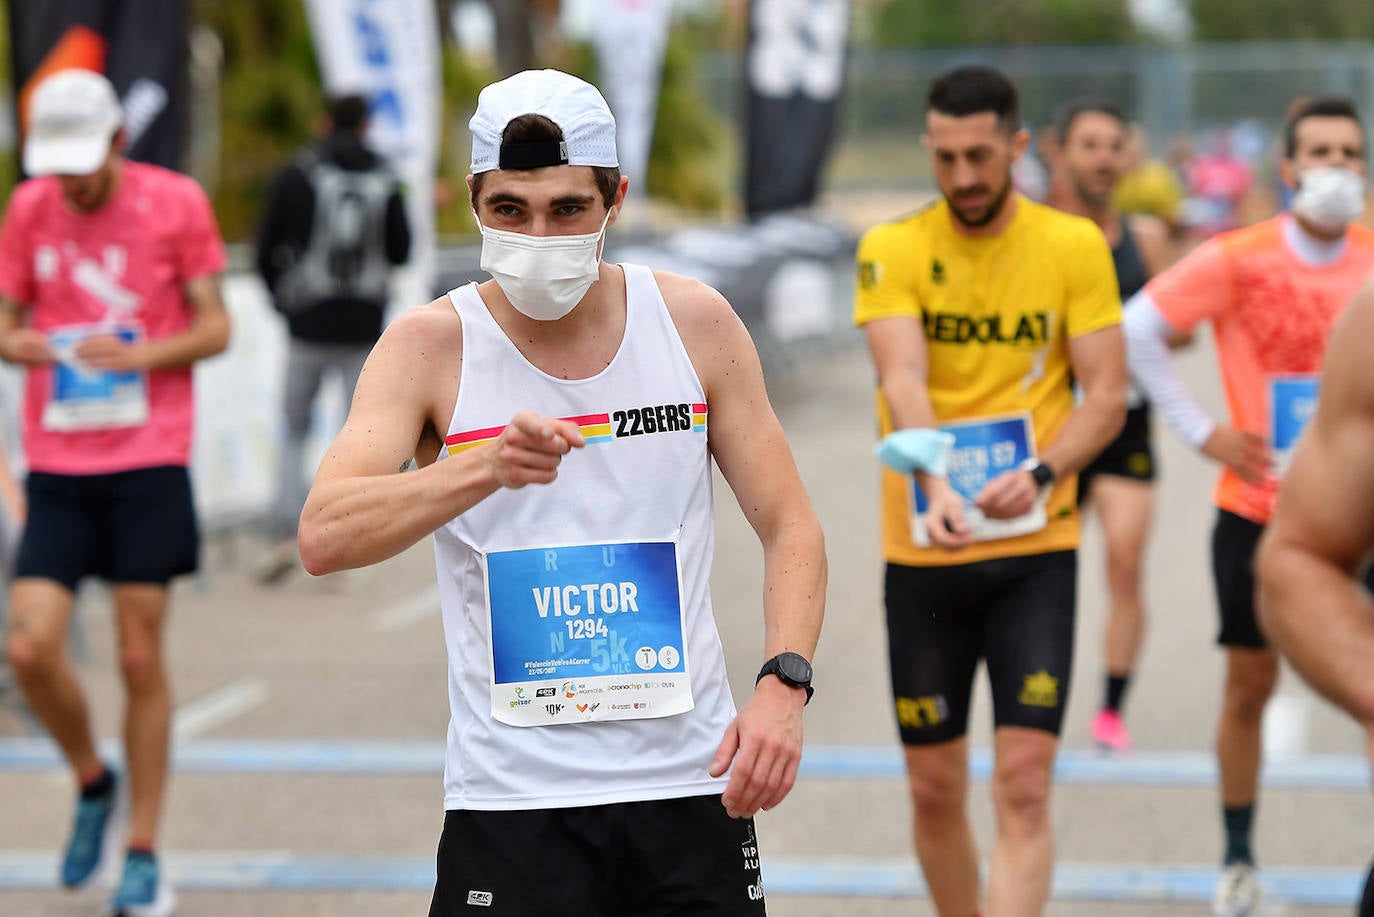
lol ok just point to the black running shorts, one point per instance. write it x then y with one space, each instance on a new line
633 859
128 527
1017 613
1128 456
1234 541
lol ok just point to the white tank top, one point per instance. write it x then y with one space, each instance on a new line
644 478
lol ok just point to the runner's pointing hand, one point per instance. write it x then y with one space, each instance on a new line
530 448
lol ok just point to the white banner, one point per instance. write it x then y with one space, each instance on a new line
630 40
388 50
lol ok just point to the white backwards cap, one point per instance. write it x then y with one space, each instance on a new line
573 104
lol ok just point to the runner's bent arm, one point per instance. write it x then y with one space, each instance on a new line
1149 335
898 347
1311 599
360 510
901 357
748 445
18 343
207 336
1098 359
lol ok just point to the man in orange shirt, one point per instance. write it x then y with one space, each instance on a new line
1272 291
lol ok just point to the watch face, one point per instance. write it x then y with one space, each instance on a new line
794 668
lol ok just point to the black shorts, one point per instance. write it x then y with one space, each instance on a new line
1128 456
631 859
1234 540
128 527
1017 613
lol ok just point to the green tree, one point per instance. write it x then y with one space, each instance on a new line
942 23
1238 20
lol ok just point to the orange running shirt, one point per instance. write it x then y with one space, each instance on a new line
1271 315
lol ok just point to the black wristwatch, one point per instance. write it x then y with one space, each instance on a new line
792 670
1043 474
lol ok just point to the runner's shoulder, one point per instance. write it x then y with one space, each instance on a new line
1266 234
33 194
425 330
901 233
164 181
1052 225
1362 236
691 301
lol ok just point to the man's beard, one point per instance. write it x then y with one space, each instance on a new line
994 208
1094 199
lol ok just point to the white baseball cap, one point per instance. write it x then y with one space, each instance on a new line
573 104
72 117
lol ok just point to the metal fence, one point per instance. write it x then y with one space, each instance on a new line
1187 90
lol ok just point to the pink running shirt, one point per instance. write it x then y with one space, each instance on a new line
1271 314
131 258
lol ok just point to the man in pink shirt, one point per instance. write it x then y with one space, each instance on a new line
1272 293
109 292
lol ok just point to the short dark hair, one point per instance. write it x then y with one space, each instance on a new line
1066 114
536 129
348 113
973 89
1329 106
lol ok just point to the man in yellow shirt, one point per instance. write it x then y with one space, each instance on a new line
977 310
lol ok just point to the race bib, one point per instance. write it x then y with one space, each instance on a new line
585 633
1292 400
91 399
982 450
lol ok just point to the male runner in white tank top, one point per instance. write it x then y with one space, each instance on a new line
592 724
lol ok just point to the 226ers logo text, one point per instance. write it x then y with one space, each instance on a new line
658 418
600 427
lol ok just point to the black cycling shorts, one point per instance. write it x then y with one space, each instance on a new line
127 527
1017 613
632 859
1128 456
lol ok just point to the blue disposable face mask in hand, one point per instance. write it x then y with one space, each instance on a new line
917 449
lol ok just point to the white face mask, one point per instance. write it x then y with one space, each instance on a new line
544 277
1329 197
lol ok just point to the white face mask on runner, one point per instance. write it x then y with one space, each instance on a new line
1329 197
544 277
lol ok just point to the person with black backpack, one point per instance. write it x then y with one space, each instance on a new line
333 227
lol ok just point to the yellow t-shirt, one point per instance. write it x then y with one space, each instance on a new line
998 313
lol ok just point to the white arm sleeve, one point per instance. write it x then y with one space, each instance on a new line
1147 351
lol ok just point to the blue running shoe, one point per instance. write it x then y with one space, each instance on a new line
94 835
141 892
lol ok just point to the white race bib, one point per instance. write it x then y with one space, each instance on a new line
584 633
984 449
84 398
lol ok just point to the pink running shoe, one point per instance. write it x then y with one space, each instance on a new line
1109 732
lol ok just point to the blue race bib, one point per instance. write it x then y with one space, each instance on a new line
586 632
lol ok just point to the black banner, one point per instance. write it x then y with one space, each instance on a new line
794 70
141 45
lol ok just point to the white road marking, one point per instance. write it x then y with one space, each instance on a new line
218 707
407 612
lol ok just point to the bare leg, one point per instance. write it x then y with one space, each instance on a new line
1250 678
1023 855
938 778
148 714
1125 508
40 613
